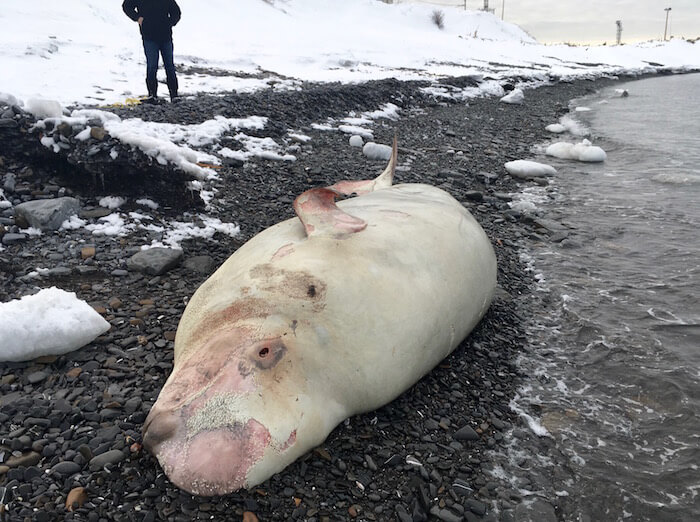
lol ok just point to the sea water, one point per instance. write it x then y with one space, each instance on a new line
614 341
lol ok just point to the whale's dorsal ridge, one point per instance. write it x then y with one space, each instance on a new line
320 215
365 186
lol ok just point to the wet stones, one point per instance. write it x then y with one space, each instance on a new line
200 264
106 458
46 214
155 261
466 433
406 456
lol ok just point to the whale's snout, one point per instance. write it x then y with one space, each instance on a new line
159 427
210 462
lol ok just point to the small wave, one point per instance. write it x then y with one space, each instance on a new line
677 179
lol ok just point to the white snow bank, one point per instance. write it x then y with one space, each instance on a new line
526 169
166 142
51 322
583 151
516 96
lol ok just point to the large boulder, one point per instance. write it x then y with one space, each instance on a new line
155 261
46 214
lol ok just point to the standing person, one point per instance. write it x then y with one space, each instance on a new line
156 19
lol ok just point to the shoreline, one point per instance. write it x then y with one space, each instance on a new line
454 146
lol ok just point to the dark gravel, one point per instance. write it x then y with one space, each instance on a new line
75 420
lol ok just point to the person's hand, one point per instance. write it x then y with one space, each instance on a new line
140 20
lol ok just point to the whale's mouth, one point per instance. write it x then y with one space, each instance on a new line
211 462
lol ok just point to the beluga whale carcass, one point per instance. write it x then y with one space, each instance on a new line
312 321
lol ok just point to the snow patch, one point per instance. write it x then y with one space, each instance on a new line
516 96
51 322
41 108
112 202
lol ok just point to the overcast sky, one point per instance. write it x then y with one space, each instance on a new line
593 21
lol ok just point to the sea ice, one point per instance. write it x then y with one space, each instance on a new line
525 169
51 322
377 151
556 128
112 202
583 151
356 141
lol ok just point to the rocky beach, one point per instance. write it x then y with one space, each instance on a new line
70 425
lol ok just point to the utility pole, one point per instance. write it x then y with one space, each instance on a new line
503 8
619 31
668 10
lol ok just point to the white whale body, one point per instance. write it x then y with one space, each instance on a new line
314 320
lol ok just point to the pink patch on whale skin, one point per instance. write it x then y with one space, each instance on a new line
216 462
215 368
290 441
284 250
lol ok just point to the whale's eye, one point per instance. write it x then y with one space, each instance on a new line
266 353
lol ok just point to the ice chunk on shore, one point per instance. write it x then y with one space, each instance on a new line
145 202
356 141
526 169
556 128
583 151
3 201
377 151
515 96
112 202
44 108
51 322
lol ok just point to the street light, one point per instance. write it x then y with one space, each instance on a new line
668 10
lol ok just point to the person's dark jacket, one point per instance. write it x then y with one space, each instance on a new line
159 17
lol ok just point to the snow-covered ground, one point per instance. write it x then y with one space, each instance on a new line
88 51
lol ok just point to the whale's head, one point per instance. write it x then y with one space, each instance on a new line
231 412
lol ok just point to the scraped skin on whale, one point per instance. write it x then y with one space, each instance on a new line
314 320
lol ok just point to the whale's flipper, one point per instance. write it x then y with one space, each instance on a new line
320 215
384 180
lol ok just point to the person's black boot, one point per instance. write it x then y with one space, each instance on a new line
172 88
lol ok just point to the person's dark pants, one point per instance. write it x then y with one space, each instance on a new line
152 50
